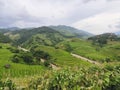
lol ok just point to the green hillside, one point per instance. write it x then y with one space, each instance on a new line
84 48
42 35
71 32
47 39
15 70
4 39
63 58
42 59
49 36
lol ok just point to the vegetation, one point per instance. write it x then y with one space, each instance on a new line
16 70
108 53
103 39
71 32
93 78
41 59
4 39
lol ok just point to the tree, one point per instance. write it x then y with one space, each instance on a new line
41 54
23 57
16 58
27 57
68 48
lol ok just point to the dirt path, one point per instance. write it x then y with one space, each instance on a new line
23 49
86 59
42 60
55 67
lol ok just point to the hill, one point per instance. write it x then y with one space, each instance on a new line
4 39
103 38
48 36
3 30
110 52
41 35
106 36
71 32
13 28
117 33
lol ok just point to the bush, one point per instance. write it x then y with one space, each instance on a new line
41 54
23 57
27 58
93 78
0 47
7 85
47 63
16 59
13 50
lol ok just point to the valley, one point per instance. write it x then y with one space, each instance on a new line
59 58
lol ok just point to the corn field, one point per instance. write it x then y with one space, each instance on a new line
93 78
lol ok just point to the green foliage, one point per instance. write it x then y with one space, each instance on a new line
23 57
41 35
71 32
16 69
93 78
103 39
47 63
4 39
13 49
0 47
68 48
93 52
61 57
41 54
7 85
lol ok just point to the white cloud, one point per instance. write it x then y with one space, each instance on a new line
105 22
33 13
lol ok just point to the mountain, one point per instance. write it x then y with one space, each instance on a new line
71 32
45 35
105 36
117 33
103 39
2 30
12 28
4 39
42 36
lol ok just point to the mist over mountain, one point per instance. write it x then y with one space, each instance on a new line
117 33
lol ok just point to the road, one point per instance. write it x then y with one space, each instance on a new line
85 59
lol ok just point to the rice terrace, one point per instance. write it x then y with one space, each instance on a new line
60 45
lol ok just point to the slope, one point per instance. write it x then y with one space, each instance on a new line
41 35
71 32
110 52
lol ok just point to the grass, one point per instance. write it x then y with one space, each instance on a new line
86 49
16 70
64 58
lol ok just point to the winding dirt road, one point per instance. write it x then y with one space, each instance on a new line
42 60
85 59
55 67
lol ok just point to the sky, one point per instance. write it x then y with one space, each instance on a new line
95 16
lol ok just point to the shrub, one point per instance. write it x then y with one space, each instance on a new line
0 47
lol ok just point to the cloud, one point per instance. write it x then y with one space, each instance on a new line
100 23
118 25
86 1
37 11
34 13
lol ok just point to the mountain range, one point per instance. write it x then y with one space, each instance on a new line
71 32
